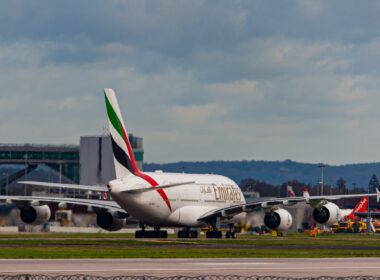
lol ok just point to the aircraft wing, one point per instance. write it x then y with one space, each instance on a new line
375 215
228 212
102 204
65 186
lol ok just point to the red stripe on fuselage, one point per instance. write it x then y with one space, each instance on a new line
137 172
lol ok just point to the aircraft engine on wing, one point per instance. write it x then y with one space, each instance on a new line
35 215
279 219
327 214
111 221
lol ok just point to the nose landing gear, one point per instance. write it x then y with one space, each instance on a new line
231 233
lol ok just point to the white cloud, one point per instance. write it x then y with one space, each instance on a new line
198 80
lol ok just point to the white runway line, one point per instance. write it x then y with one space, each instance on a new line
216 264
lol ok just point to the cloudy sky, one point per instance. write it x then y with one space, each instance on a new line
198 80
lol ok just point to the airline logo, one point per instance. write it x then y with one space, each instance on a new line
226 192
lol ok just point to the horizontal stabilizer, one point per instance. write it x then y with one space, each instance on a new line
158 187
65 186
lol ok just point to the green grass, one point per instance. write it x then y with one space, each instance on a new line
51 245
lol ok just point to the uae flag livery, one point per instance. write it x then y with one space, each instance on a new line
124 160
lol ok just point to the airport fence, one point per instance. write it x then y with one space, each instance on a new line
205 277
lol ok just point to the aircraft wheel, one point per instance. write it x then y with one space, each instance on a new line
187 234
214 234
139 234
162 234
193 234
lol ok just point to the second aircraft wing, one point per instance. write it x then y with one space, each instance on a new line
101 204
228 212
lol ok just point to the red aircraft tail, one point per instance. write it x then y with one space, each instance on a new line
360 207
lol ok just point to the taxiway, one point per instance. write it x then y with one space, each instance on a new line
193 267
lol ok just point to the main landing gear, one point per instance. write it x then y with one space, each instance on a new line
156 233
231 233
215 233
218 234
187 233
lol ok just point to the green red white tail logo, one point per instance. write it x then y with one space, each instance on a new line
124 159
125 163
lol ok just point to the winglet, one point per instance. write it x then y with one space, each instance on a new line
377 195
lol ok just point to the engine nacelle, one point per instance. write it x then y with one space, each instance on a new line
35 215
279 219
110 221
328 214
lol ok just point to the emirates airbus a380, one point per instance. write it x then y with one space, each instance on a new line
158 199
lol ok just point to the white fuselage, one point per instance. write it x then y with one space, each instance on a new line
184 204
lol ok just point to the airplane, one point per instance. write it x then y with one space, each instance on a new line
179 200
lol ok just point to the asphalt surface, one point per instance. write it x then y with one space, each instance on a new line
195 267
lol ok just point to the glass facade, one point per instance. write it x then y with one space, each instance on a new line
64 158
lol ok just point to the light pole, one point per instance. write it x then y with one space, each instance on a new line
26 171
321 165
6 186
368 214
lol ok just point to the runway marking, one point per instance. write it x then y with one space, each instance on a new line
255 263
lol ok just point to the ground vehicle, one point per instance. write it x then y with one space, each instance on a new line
376 226
345 226
358 227
349 227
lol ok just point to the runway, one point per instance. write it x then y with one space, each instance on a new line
195 267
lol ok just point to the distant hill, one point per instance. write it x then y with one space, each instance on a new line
276 172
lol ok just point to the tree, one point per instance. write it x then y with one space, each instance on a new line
373 184
341 185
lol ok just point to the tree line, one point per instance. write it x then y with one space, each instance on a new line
340 187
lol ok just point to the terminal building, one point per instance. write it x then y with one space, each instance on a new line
96 158
90 163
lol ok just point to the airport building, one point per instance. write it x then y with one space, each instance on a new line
89 163
96 159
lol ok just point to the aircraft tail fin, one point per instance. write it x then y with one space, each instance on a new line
306 193
360 207
290 192
124 160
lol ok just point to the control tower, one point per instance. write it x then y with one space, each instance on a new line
96 158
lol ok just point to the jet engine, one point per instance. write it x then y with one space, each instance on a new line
35 215
110 221
279 219
327 214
